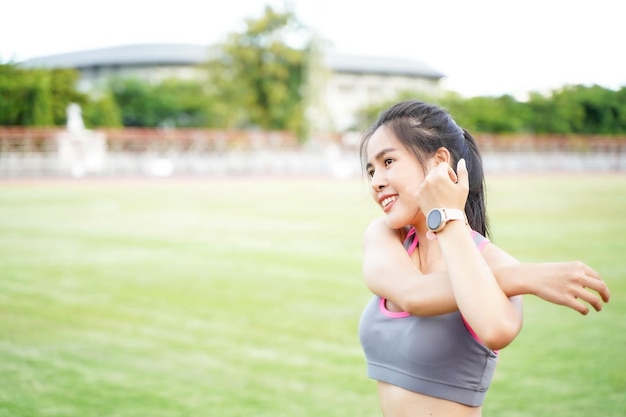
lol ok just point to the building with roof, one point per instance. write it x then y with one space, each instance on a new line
358 81
350 82
153 62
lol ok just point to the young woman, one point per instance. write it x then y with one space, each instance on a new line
446 299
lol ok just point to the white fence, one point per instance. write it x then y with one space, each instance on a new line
148 152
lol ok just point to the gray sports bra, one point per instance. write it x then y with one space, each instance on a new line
438 356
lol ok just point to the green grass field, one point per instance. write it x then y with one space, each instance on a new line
241 297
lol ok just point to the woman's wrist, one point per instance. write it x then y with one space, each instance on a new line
451 225
518 279
521 284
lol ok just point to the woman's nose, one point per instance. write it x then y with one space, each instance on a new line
378 182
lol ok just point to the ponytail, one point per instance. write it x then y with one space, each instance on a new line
475 206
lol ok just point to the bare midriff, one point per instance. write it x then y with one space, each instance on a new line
398 402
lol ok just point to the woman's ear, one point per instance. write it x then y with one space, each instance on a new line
442 155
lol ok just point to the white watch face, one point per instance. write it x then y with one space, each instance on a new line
433 221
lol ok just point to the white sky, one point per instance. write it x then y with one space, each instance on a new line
485 47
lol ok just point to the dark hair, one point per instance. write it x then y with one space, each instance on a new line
423 128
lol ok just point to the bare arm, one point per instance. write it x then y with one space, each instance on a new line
495 318
390 273
570 284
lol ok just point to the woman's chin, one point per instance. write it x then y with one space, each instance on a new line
394 223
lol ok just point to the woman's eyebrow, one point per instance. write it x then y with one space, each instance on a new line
380 154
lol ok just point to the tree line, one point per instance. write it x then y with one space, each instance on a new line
257 78
572 109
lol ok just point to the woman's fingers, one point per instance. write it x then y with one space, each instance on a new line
594 282
443 187
598 286
590 298
461 173
581 307
574 284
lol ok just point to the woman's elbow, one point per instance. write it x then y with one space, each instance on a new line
502 333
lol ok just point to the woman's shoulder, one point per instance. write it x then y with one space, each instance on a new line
378 229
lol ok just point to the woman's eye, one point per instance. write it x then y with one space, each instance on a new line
388 161
370 173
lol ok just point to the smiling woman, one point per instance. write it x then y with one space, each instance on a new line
446 299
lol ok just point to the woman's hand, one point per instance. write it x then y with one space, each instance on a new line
568 284
443 188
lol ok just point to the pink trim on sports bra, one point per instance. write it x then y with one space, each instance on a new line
483 242
393 314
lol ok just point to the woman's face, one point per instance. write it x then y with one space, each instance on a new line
395 175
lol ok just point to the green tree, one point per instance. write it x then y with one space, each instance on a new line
490 114
477 114
575 109
257 77
172 102
64 90
102 111
620 98
13 92
36 96
135 102
368 114
548 117
600 109
188 100
42 99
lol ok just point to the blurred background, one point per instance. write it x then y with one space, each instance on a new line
181 201
287 86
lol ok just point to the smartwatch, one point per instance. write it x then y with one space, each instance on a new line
437 218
